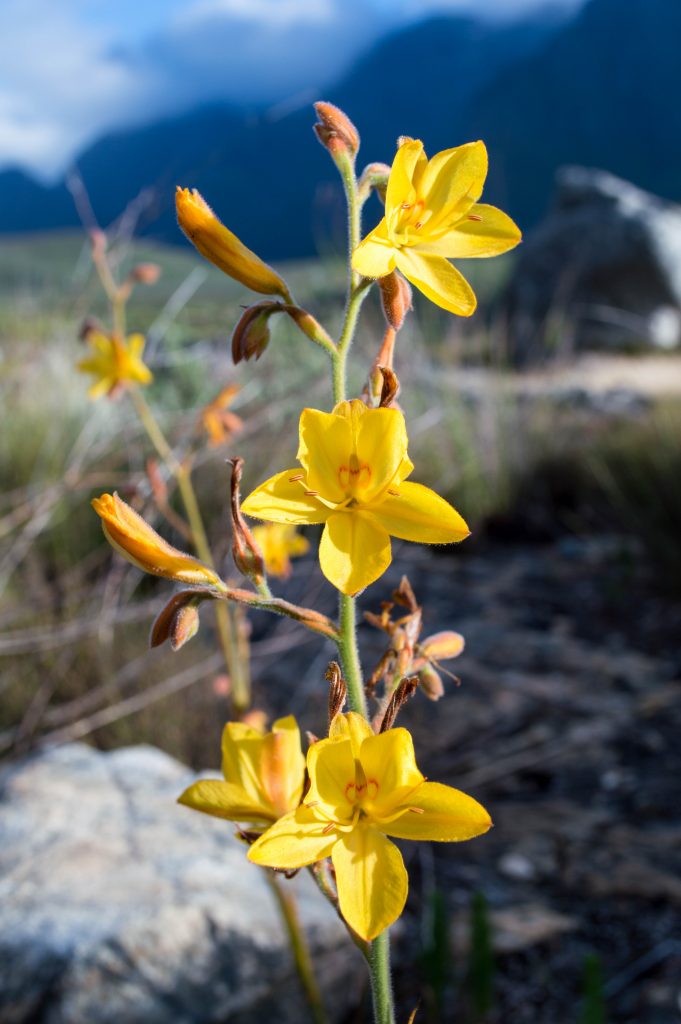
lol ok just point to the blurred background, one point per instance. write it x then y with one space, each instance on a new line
551 419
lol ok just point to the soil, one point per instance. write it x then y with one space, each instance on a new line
566 727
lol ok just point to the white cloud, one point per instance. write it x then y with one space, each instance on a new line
69 72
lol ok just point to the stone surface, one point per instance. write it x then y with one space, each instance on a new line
602 270
121 906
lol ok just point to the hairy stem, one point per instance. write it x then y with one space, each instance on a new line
349 655
378 959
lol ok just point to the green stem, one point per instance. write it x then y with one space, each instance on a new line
347 648
226 618
301 953
379 971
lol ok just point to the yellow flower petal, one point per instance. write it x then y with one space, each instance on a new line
389 764
354 551
326 444
372 880
381 442
353 727
442 814
225 800
296 840
409 164
282 765
484 231
375 256
421 515
282 499
438 280
453 181
331 767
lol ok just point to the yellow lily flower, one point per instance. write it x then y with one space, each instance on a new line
114 362
219 245
264 775
354 469
432 214
279 543
364 788
139 544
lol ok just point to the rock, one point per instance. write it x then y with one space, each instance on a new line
516 929
602 270
120 905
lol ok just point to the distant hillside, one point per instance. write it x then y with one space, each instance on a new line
601 88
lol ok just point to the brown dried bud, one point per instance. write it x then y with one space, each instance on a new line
246 553
396 297
252 333
431 683
335 130
338 690
145 273
404 595
178 620
390 389
406 689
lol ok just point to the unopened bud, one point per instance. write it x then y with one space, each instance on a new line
224 249
396 298
145 273
441 646
374 176
178 620
431 683
252 333
246 553
335 130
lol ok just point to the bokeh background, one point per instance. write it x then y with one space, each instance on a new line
552 420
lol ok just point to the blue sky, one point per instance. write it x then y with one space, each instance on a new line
71 69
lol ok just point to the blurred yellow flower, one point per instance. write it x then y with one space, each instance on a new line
364 788
432 214
139 543
115 363
218 422
264 775
279 543
217 243
353 478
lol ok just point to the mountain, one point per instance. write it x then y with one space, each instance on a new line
598 88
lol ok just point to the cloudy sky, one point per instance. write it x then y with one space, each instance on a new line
70 69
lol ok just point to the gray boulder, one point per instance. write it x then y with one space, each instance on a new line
118 905
603 270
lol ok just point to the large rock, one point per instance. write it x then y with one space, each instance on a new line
602 270
118 905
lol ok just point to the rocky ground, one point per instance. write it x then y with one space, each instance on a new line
566 727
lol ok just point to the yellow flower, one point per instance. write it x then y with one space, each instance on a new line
224 249
114 362
432 214
364 788
354 469
133 538
279 543
219 423
264 775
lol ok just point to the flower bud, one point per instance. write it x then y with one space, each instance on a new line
139 544
374 176
431 683
145 273
178 620
396 298
252 333
441 646
335 130
246 553
217 243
